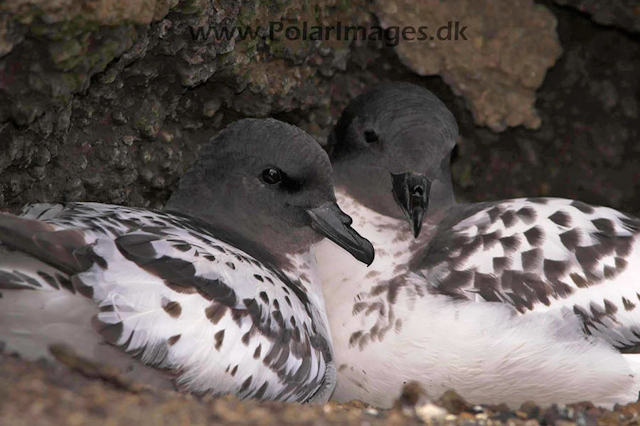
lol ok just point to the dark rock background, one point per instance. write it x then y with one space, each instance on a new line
588 147
112 106
115 112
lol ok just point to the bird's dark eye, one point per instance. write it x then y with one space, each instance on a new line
271 176
370 136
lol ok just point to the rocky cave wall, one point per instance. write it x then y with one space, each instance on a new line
109 100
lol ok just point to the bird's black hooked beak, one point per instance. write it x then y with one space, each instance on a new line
335 224
411 192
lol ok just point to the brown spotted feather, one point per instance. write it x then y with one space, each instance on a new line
552 254
176 297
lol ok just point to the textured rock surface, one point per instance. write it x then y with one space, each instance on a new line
109 100
128 136
588 147
510 46
620 13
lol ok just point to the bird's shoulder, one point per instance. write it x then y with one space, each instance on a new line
527 252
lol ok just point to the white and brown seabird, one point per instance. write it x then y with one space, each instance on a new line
218 292
502 301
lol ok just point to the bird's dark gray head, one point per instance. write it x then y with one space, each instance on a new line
391 148
271 184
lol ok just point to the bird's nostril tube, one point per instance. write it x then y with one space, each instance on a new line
345 218
417 191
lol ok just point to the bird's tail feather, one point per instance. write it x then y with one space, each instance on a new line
63 249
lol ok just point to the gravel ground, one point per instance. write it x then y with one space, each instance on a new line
76 392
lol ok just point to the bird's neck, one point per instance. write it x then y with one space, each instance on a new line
297 263
391 237
278 260
302 268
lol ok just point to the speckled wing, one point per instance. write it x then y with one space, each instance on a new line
542 254
178 298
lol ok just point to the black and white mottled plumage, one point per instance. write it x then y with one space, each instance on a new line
193 291
542 255
525 299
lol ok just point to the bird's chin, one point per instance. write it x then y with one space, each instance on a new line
374 194
388 207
